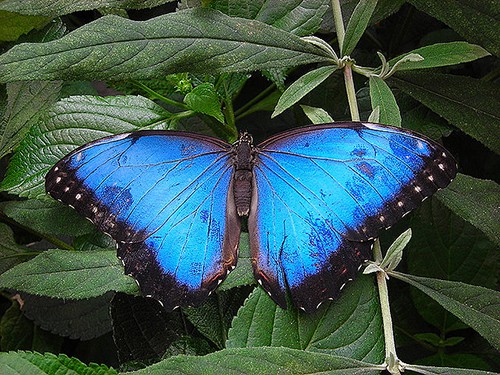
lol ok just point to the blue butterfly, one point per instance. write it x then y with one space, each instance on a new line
315 197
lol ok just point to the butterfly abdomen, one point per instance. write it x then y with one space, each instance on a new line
243 164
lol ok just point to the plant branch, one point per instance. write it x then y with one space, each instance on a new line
339 23
351 92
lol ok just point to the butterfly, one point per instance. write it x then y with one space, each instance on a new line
316 197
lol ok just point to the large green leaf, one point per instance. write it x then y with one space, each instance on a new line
54 8
73 122
476 306
17 363
198 40
470 104
357 24
446 247
476 201
351 326
263 360
477 21
69 274
441 54
26 102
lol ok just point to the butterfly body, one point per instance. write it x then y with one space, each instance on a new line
315 198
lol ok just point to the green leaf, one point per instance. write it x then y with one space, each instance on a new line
265 360
470 104
70 123
381 96
12 25
431 370
198 40
302 87
357 25
17 363
204 99
69 274
11 253
316 115
476 306
242 275
26 102
441 54
445 247
477 21
476 201
47 217
54 8
395 252
350 326
301 17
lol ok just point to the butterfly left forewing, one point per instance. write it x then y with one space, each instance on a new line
163 196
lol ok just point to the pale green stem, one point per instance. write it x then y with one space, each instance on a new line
351 92
339 22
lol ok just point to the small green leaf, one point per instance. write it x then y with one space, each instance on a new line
476 201
42 364
440 54
242 275
13 25
476 306
302 87
357 25
431 370
26 102
317 115
381 96
69 274
265 360
204 99
374 115
70 123
469 104
196 40
395 251
477 21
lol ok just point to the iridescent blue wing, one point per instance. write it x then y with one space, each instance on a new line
164 197
323 193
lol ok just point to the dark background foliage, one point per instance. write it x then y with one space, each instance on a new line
64 290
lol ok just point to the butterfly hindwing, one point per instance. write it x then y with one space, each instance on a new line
165 198
323 193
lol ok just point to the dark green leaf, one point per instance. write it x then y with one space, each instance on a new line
476 201
381 96
357 24
204 99
265 360
350 326
76 319
73 122
302 17
470 104
11 253
198 40
477 21
26 102
430 370
441 54
48 217
445 247
302 87
40 364
69 274
54 8
476 306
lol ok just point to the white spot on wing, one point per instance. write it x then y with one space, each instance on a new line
78 196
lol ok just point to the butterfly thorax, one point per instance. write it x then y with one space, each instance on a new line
243 164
